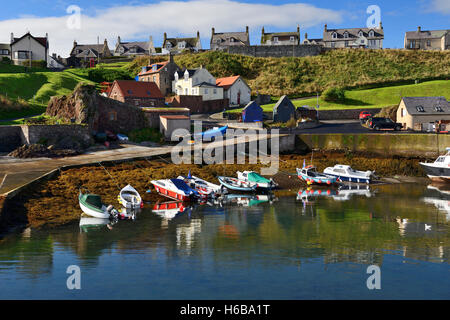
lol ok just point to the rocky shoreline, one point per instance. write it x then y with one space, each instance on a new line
54 202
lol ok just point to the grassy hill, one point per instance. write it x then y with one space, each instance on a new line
305 76
376 98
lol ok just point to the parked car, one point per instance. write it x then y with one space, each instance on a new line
364 116
122 137
384 123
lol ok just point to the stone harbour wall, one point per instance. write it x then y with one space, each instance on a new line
303 50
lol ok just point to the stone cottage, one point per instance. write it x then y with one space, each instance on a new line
224 40
370 38
424 113
137 93
284 110
161 73
427 39
179 45
280 38
235 89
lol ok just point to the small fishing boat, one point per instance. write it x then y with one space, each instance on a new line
236 184
92 205
439 170
210 135
256 179
311 176
169 210
347 173
130 198
175 189
204 188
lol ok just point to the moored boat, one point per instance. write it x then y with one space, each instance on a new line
130 198
347 173
256 179
169 210
204 188
311 176
236 184
439 170
92 205
175 189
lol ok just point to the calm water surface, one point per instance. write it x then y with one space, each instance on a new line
311 247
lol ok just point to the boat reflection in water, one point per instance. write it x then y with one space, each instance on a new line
440 198
90 223
344 193
245 200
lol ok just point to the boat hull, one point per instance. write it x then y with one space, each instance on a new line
230 186
351 179
94 213
435 173
171 194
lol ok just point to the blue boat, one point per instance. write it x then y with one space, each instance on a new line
210 135
236 184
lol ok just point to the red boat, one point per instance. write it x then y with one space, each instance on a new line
175 189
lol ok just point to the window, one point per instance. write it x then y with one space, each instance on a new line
231 39
275 39
360 34
333 44
22 55
346 43
371 33
403 112
186 91
215 91
206 90
154 78
193 91
438 108
334 35
346 35
420 109
292 38
112 116
429 43
4 52
186 76
130 92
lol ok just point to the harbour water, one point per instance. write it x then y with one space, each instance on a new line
318 245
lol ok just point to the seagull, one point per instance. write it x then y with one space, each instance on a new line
427 227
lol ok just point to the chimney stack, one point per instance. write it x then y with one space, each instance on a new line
306 36
198 34
419 29
213 31
325 29
298 29
246 29
12 37
381 25
118 40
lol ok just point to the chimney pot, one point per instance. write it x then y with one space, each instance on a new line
325 28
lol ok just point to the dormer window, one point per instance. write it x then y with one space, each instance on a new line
360 34
346 35
438 108
420 109
292 38
275 39
155 67
186 76
181 45
231 39
169 45
371 33
334 35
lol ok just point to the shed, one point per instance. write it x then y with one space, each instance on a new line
252 112
170 123
284 110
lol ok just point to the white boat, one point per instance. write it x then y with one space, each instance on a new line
91 204
346 173
168 210
203 187
130 198
175 189
256 179
438 170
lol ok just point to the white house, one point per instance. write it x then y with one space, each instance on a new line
197 82
236 90
29 47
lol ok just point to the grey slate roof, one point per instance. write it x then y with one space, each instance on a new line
352 34
431 34
225 38
428 104
283 110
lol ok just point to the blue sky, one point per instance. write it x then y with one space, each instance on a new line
136 20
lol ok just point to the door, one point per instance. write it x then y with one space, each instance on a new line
239 98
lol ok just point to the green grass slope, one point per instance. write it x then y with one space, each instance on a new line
376 98
304 76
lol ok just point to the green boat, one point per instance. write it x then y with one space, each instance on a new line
92 205
256 179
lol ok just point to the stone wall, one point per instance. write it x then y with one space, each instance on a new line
349 114
10 138
62 136
388 144
302 50
153 115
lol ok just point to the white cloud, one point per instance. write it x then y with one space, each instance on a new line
177 18
441 6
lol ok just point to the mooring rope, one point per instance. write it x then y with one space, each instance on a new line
115 181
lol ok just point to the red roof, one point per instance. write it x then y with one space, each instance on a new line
138 89
158 67
176 117
226 82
